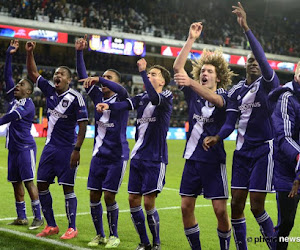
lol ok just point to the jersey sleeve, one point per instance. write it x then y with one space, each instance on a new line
81 112
8 76
18 113
45 86
166 100
269 75
95 93
284 118
223 93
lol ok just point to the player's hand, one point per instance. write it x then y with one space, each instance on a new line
295 189
75 159
210 141
87 82
14 45
241 16
182 79
195 30
142 64
30 46
100 107
81 43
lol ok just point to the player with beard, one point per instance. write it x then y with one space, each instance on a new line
61 154
20 143
252 169
204 172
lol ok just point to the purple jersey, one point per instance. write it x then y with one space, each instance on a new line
204 120
63 113
110 128
18 136
250 102
20 114
152 126
286 120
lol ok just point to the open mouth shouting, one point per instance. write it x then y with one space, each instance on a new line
204 80
57 82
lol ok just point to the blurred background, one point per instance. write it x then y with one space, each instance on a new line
122 31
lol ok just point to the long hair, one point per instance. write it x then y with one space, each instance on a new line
216 59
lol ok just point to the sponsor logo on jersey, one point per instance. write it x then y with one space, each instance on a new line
246 106
56 114
203 119
145 120
105 125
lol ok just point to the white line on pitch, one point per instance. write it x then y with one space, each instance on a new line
31 236
125 211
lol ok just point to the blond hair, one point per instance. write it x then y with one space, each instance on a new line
216 59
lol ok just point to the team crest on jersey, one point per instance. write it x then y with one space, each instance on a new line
141 103
254 88
65 103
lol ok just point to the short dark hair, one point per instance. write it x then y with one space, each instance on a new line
164 72
67 69
116 72
31 85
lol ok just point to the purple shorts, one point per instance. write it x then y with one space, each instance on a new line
146 177
56 162
21 165
105 174
208 179
253 169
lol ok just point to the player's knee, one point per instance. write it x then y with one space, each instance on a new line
134 200
186 208
257 209
109 198
236 207
42 186
95 196
220 212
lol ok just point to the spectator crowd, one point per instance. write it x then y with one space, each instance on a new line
163 18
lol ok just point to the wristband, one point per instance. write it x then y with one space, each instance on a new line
76 149
297 157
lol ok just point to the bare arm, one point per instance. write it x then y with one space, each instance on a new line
75 156
30 62
194 33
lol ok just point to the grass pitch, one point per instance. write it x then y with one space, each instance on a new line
168 205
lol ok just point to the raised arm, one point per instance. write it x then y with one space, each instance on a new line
182 79
80 45
194 33
153 95
8 75
258 52
32 70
